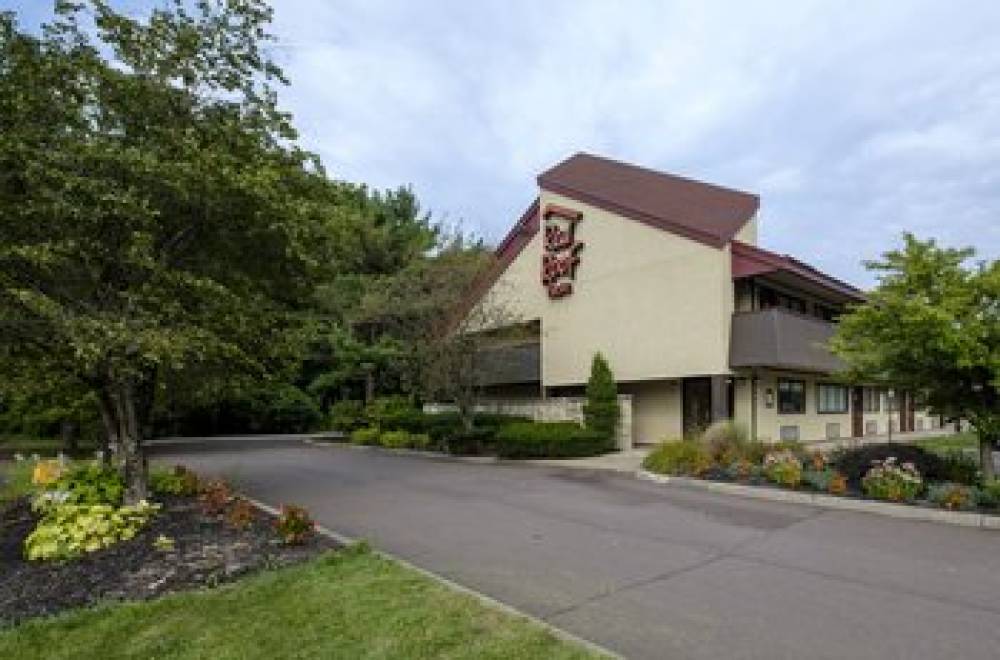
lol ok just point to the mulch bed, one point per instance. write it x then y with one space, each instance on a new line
207 552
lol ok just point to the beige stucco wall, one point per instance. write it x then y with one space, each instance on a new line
656 410
812 424
656 304
748 234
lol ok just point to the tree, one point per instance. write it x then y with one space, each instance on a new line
601 412
156 216
932 326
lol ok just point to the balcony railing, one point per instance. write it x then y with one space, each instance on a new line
782 339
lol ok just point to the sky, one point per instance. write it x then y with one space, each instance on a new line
853 121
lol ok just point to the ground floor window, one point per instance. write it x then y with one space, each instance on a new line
791 396
873 399
831 398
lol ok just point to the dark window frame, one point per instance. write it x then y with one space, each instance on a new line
820 401
801 408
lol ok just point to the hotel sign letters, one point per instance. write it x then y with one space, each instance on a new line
561 250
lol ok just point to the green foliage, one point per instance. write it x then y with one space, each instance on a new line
91 483
394 414
292 411
959 467
783 468
294 525
346 416
678 457
365 436
932 326
818 480
728 442
601 412
70 530
893 481
15 480
395 439
988 494
855 462
177 480
952 496
550 440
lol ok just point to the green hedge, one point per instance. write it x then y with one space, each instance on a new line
549 440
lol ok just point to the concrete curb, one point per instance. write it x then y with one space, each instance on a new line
482 598
960 518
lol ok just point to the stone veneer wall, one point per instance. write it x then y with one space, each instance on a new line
552 409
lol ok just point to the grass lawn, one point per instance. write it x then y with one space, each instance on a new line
347 604
15 480
946 443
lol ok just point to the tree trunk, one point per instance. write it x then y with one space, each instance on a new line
986 444
129 434
110 441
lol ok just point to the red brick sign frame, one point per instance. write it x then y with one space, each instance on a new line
560 250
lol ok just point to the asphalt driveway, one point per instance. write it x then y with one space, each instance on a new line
647 570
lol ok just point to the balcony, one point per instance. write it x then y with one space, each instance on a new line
781 339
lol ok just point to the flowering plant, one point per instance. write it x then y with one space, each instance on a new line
783 468
893 481
294 525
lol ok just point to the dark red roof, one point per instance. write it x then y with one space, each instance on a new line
750 260
700 211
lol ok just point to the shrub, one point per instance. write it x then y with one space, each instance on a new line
70 530
818 480
988 495
215 497
952 496
394 414
365 436
175 481
291 410
893 481
685 457
837 485
346 416
294 525
854 463
420 441
91 483
470 442
601 412
550 440
727 443
394 439
958 467
240 514
783 468
45 473
742 469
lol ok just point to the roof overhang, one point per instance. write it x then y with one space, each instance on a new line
751 261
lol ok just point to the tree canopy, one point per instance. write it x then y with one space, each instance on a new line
932 326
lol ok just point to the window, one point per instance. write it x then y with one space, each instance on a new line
791 396
769 298
789 433
831 398
826 313
872 399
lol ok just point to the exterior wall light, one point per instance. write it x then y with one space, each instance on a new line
769 398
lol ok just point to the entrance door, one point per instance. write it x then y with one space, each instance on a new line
697 403
857 412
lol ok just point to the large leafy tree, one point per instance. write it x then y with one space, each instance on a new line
932 325
155 214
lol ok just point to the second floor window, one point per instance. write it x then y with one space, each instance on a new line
791 396
873 399
831 398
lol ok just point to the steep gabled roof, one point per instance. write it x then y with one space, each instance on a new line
700 211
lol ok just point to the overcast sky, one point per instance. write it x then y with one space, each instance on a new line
853 121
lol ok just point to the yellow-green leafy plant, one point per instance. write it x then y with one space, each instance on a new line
368 435
783 468
395 439
174 481
70 530
679 457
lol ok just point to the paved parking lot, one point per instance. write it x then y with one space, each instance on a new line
647 570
